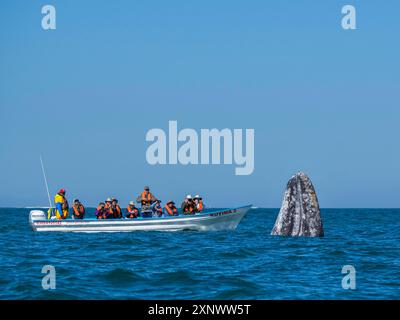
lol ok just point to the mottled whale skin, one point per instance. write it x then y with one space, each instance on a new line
300 214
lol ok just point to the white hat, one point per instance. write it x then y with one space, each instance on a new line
189 196
197 197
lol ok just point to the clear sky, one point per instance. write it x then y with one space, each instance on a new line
321 99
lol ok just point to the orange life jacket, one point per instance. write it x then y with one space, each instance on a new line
132 212
171 212
200 207
146 197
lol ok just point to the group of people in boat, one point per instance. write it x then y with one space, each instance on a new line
150 206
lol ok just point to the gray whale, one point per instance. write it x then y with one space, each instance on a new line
300 214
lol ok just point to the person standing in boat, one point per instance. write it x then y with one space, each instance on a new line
131 211
78 210
188 205
146 199
171 209
62 207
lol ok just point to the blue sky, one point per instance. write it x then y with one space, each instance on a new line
321 99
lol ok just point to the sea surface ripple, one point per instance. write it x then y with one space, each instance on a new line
244 264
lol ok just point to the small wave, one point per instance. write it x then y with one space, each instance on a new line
123 276
180 276
240 253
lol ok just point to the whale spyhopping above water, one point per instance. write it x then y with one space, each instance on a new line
299 215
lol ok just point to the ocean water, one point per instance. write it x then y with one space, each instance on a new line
244 264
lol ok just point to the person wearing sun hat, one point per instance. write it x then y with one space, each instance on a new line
109 209
131 211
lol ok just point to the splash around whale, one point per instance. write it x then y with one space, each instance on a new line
300 213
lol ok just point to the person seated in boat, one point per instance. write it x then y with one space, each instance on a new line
198 204
116 209
188 205
157 208
131 211
146 199
78 210
101 212
62 207
171 209
108 209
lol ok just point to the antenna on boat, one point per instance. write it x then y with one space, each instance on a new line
45 181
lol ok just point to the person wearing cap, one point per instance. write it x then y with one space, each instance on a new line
61 203
157 208
131 211
198 204
146 199
116 209
188 205
78 210
171 209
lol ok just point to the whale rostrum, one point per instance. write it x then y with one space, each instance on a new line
300 214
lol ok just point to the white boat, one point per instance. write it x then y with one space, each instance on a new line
224 219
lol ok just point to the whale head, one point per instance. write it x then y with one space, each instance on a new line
300 213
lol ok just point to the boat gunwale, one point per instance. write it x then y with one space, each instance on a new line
144 220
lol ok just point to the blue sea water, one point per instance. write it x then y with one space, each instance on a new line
244 264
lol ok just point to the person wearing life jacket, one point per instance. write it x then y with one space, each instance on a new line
109 213
157 208
78 210
116 209
198 203
171 209
131 211
188 205
101 212
62 207
146 199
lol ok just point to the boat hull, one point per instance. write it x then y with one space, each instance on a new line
227 219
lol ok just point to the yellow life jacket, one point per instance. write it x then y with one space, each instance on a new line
64 204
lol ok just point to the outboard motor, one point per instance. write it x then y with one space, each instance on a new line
35 215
